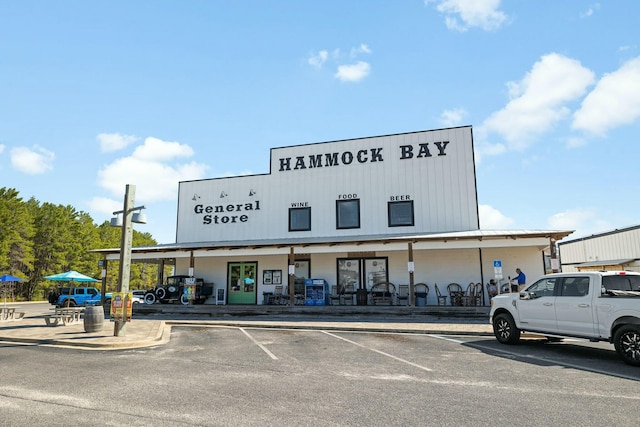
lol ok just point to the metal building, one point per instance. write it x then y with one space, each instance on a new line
612 250
354 213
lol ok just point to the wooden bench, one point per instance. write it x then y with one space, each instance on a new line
54 319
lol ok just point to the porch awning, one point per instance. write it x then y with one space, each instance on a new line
471 238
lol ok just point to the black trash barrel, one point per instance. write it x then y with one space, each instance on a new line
361 297
421 299
93 318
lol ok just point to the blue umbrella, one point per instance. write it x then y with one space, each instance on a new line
10 278
5 278
71 276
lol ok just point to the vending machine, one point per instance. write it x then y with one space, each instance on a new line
316 292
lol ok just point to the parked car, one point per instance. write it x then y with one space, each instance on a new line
592 305
73 297
173 291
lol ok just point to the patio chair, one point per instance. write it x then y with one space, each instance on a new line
334 296
442 299
347 295
284 299
468 297
383 293
277 295
455 293
478 293
403 294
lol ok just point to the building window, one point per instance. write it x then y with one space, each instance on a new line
299 219
400 213
347 214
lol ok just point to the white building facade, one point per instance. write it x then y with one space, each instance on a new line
397 208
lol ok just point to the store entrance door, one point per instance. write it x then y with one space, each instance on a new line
241 282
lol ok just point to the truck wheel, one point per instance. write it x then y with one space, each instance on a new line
504 328
149 298
161 293
71 303
184 300
627 343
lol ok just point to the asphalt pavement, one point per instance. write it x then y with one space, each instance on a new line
145 330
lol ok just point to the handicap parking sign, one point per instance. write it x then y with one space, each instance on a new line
497 263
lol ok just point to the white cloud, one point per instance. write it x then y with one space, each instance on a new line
152 170
483 148
483 14
453 117
114 141
157 150
1 148
584 221
539 100
33 161
590 11
354 72
346 72
574 142
105 206
363 48
493 219
318 59
613 102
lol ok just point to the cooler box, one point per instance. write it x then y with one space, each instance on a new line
316 292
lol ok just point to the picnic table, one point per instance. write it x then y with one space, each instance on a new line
9 313
64 316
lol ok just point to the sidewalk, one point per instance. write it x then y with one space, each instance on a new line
142 332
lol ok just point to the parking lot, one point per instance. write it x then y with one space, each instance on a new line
248 376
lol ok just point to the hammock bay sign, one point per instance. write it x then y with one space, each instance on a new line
370 155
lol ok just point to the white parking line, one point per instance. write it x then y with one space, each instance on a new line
424 368
266 350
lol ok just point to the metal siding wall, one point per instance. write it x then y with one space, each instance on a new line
442 188
621 245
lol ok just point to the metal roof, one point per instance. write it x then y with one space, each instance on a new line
606 262
349 240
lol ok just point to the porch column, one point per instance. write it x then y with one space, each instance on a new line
192 264
411 269
554 256
292 277
103 289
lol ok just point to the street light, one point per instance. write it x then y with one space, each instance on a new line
128 218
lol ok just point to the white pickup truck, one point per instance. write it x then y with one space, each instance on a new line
594 305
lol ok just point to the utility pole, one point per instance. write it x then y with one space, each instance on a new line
128 218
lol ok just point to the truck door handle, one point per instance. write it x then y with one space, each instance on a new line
583 305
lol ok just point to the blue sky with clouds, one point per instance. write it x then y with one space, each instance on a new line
98 94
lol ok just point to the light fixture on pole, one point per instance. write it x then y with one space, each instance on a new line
128 218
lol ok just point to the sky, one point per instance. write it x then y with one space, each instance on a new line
95 95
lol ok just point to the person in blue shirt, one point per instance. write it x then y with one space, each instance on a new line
518 281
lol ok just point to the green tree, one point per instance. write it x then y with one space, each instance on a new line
16 234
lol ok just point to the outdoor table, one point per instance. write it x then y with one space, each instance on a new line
7 313
456 297
64 315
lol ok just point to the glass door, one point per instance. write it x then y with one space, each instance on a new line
241 282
